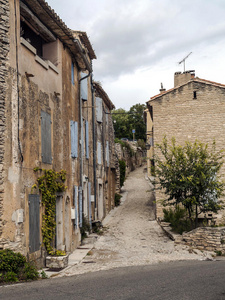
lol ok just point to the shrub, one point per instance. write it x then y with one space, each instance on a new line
14 267
122 165
117 199
177 219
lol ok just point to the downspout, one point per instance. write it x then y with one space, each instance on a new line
94 146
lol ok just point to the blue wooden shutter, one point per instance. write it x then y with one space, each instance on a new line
99 153
46 146
98 109
89 200
34 223
80 206
107 153
72 73
87 139
84 87
74 138
76 206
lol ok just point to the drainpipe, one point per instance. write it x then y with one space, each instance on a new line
94 146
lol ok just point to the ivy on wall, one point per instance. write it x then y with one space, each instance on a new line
49 184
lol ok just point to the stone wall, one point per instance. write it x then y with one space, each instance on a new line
206 238
178 114
4 50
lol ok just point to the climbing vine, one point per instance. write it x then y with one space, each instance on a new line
49 184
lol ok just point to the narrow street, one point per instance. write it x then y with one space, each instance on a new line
132 236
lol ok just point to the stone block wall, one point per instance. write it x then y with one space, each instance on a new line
181 115
4 51
206 238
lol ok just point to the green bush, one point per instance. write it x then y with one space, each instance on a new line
177 219
14 267
117 199
122 165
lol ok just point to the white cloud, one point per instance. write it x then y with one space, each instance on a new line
139 42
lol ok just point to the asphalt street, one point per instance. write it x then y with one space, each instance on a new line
179 280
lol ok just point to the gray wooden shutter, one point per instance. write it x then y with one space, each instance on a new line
74 138
80 206
89 200
84 87
76 206
98 109
87 139
34 223
99 153
46 146
107 153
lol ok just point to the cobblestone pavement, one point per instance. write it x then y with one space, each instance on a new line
131 234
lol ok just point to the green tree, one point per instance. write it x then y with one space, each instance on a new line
189 175
120 123
136 121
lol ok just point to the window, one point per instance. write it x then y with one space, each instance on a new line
99 110
99 153
84 87
34 32
72 73
46 145
74 138
194 95
86 139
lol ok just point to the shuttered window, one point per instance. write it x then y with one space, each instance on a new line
34 223
86 139
80 206
99 153
74 138
107 153
89 201
46 146
98 109
75 198
84 87
72 73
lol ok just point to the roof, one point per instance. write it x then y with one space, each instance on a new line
102 94
86 42
196 79
53 22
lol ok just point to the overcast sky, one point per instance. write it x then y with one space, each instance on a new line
139 43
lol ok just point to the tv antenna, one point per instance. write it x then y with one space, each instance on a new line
183 60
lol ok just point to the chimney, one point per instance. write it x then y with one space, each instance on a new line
162 89
182 78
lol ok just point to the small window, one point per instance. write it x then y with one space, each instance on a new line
72 73
46 148
194 95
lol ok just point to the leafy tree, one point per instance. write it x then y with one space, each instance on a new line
120 123
136 121
124 121
189 175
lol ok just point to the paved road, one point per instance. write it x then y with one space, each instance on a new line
190 280
132 236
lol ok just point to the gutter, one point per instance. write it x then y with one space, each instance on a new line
82 53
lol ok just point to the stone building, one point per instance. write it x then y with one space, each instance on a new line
104 151
193 109
46 120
